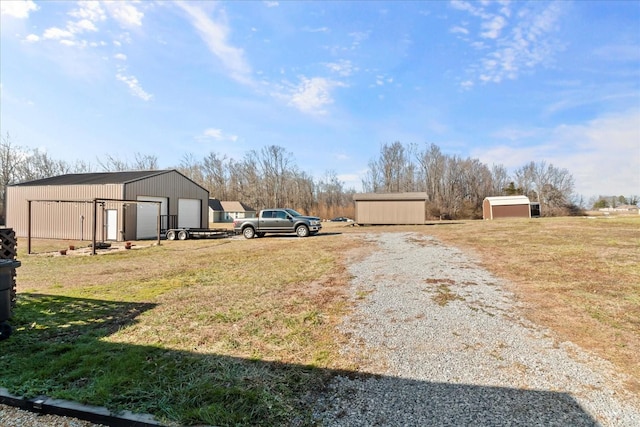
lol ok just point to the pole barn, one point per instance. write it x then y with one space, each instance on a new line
506 207
390 208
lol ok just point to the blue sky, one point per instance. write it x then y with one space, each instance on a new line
331 81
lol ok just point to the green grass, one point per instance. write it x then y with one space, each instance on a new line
197 332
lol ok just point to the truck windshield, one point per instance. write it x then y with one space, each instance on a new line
293 213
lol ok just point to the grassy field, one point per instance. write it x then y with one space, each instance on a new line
227 332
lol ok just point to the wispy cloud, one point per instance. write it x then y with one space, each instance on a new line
134 85
342 67
216 135
509 42
215 34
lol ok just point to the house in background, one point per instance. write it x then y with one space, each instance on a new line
227 211
131 205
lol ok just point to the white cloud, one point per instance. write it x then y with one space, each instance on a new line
18 9
312 95
32 38
89 10
217 135
81 26
126 14
55 33
271 3
215 35
134 86
120 56
493 27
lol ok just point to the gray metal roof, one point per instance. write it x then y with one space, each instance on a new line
95 178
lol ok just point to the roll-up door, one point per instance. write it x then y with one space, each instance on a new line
189 213
147 216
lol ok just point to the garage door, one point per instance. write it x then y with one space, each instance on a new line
147 217
189 213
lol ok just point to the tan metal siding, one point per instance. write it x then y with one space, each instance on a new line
58 220
390 212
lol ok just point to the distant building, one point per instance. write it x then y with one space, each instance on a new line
132 204
390 208
509 207
629 209
227 211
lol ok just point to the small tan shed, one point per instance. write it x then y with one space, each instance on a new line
390 208
506 207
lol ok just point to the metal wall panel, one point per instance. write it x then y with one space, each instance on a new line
390 211
514 211
60 220
172 185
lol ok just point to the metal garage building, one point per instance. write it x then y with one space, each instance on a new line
390 208
506 207
62 207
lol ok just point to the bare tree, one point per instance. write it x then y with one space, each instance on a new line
550 186
112 163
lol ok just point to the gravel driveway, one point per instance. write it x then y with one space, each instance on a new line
442 343
445 344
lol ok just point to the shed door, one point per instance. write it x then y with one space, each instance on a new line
147 216
112 224
189 213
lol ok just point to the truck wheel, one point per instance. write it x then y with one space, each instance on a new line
248 232
302 231
171 235
183 235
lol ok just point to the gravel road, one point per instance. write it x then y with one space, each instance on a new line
442 343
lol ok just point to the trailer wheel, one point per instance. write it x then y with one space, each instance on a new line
302 231
248 233
171 235
183 235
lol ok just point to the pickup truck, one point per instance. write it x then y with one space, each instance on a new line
277 221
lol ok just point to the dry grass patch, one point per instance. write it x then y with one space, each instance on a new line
578 276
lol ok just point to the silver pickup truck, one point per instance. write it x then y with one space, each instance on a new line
277 221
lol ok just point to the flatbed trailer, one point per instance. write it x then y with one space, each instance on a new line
197 233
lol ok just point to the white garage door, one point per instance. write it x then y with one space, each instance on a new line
147 218
189 213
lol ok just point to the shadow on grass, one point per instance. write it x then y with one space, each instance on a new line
58 350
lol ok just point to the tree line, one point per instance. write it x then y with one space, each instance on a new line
455 187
